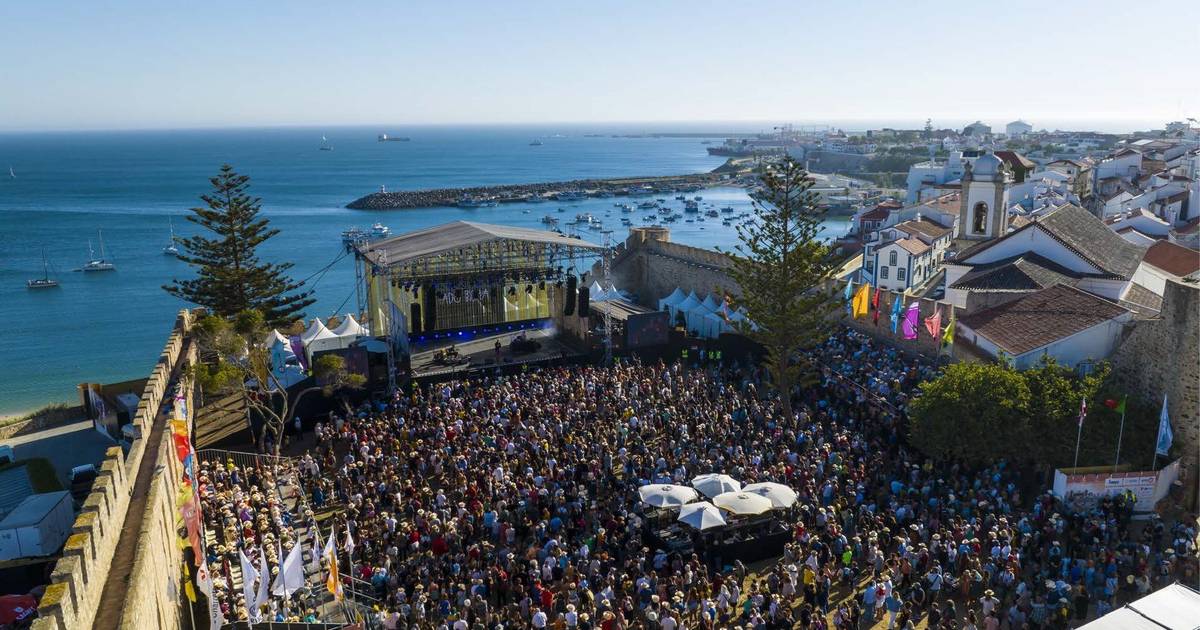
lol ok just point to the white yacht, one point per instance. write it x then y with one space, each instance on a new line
380 230
45 282
171 249
98 264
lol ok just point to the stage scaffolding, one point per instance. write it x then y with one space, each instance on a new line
465 275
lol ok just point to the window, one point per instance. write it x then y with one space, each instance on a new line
883 272
900 273
870 266
979 219
891 258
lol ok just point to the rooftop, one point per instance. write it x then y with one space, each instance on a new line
926 227
1041 318
1027 272
461 235
1081 232
1174 259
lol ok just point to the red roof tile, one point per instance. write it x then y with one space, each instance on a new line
1041 318
1173 259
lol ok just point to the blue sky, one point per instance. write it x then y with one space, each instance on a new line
136 64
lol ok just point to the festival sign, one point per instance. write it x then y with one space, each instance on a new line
1082 489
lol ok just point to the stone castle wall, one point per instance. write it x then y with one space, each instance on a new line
1162 356
72 599
649 265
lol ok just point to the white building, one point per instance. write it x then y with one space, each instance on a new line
984 211
931 173
977 129
1061 322
906 254
1017 128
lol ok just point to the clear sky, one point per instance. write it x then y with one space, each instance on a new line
152 64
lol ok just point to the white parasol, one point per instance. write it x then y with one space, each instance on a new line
780 495
712 484
666 495
742 503
701 515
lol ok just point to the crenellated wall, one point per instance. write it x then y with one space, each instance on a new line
97 550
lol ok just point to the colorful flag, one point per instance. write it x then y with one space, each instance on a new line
1165 436
1082 411
875 316
1115 405
933 323
875 299
912 321
948 336
897 308
862 300
849 295
334 582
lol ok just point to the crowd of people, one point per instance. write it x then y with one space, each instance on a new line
511 502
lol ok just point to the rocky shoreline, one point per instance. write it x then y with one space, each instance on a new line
532 193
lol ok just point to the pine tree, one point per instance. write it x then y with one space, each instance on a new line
230 277
780 266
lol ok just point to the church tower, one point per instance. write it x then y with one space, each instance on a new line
983 209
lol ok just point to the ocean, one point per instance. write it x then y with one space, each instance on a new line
132 185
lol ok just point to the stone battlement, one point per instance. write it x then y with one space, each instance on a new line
137 489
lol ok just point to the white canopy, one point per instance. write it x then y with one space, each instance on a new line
712 303
274 337
780 495
701 515
742 503
596 292
712 484
350 328
667 495
713 325
676 297
315 331
695 318
690 302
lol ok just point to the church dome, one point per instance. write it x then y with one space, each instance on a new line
987 165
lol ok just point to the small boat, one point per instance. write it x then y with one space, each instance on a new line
584 218
727 209
698 198
549 220
570 195
680 197
712 213
535 198
171 249
524 212
626 208
535 143
98 264
353 235
626 221
603 194
383 137
11 173
45 282
647 205
472 202
380 230
325 146
691 206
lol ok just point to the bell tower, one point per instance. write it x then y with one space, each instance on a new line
983 209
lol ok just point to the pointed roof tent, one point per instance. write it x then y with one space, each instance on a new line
675 298
350 327
688 303
711 303
315 332
273 338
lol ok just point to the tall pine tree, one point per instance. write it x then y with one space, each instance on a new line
230 278
780 265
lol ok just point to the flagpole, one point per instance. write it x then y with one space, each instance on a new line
1078 435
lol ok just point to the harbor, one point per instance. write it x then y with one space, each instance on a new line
485 196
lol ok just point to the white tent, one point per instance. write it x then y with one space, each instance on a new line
711 302
596 292
666 495
273 337
695 318
714 325
743 503
315 329
676 297
712 484
701 515
780 495
350 328
688 303
318 338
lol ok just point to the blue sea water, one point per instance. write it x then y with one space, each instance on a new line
106 327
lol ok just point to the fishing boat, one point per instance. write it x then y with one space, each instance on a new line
383 137
647 205
549 220
712 213
45 282
380 230
727 209
171 249
325 146
535 143
626 208
691 206
584 217
98 264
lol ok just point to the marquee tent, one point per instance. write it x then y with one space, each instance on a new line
688 303
350 328
274 337
315 329
318 338
711 302
670 301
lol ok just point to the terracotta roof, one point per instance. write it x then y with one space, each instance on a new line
1189 227
925 227
877 214
1012 158
1081 232
1039 319
1027 272
1018 221
912 246
1173 259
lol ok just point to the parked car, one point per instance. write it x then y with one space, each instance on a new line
81 481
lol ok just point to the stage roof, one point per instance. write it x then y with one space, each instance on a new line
452 237
1176 607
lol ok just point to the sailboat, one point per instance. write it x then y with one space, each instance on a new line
101 263
11 173
45 282
325 146
171 250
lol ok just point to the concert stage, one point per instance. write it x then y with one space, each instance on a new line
479 353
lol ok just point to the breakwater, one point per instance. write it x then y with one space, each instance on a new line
532 193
